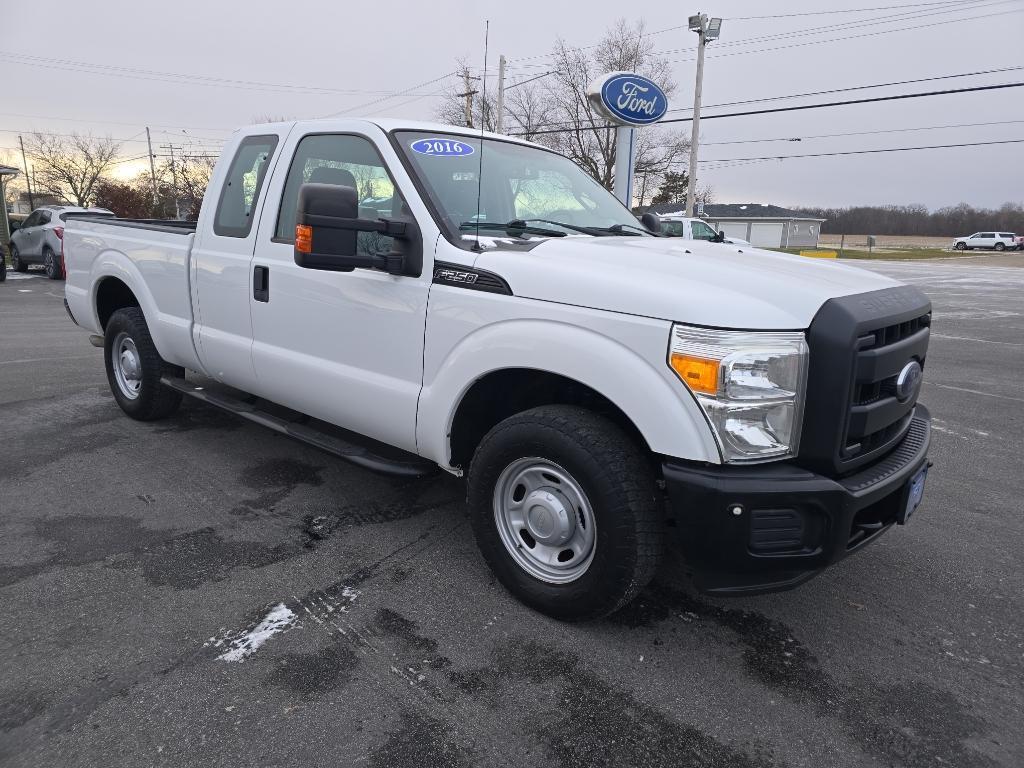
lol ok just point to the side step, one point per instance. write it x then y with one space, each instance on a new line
412 466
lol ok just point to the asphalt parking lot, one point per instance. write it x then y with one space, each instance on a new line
142 564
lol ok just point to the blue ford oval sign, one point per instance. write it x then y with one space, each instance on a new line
628 98
441 147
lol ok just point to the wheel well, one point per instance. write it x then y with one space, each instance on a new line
112 295
500 394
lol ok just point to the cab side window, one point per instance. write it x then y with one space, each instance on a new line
241 189
348 161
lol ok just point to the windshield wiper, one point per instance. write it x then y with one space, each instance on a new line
596 231
620 229
514 228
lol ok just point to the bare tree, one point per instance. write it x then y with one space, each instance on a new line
554 110
70 166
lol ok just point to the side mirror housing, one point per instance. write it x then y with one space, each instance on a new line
720 237
327 227
651 222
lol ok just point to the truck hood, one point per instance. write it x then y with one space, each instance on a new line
686 281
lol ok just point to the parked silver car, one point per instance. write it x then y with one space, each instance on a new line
40 240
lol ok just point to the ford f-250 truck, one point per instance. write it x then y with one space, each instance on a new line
412 296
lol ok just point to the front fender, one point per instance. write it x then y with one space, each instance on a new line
659 406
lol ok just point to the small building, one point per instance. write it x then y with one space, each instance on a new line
763 225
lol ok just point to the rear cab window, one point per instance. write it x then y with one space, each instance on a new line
241 189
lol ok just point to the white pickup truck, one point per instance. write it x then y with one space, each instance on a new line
695 229
413 296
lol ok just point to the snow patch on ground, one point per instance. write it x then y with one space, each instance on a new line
242 644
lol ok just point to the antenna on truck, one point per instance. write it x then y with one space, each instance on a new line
483 123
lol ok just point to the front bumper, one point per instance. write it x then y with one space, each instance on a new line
764 528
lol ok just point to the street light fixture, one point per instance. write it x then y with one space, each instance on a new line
707 30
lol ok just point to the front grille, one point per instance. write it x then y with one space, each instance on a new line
858 346
878 418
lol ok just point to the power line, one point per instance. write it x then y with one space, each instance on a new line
851 37
856 88
971 5
774 110
393 95
951 5
825 92
860 133
172 77
861 151
846 10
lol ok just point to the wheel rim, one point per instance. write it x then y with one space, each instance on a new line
545 520
51 265
127 365
15 259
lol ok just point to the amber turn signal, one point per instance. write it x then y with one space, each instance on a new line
303 238
698 373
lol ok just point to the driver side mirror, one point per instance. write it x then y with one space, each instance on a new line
327 227
720 237
651 222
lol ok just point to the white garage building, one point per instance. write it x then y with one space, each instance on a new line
766 226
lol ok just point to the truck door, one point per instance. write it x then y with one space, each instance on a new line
220 265
344 347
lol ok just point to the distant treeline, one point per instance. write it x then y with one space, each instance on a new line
955 220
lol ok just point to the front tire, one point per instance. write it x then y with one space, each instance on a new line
16 263
52 264
565 509
134 368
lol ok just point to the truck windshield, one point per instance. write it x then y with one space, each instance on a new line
525 192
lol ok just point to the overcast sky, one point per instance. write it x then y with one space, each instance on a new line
98 67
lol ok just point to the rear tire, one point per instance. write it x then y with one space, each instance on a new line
16 263
532 468
1000 247
52 264
134 368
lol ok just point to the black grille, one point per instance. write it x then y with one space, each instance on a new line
878 418
858 346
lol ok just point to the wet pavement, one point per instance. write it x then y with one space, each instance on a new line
199 591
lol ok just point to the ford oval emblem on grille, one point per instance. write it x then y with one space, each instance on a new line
908 381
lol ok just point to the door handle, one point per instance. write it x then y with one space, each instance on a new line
261 283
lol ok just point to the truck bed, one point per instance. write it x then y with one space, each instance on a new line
174 226
152 258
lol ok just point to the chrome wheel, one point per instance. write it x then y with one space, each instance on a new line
127 365
545 520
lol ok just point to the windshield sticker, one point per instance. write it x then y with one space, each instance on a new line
441 147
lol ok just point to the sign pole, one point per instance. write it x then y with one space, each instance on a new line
625 155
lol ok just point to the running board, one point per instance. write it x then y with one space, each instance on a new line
349 451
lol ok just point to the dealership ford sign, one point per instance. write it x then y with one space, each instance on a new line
628 99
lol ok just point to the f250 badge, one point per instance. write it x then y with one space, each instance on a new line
455 276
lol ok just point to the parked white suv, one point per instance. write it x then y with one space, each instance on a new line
40 240
997 241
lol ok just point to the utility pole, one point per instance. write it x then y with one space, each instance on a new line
174 177
500 121
152 171
468 95
707 30
28 181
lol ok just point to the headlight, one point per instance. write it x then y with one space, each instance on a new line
750 385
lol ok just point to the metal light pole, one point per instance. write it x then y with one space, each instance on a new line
707 30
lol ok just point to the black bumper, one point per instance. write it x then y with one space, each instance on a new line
769 527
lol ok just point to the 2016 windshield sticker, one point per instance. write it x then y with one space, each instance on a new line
441 147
